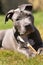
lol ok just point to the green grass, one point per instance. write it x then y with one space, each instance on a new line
38 19
15 58
8 57
2 23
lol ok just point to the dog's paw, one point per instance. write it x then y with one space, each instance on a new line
40 51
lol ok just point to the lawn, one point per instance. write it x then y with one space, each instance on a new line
2 23
15 58
8 57
38 21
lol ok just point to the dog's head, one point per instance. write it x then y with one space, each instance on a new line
23 19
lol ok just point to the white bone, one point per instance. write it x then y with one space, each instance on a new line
20 39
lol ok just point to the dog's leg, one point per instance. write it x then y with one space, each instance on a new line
40 51
23 51
2 34
0 43
26 51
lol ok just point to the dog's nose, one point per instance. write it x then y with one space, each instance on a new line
29 27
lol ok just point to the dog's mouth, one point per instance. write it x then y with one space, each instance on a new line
27 33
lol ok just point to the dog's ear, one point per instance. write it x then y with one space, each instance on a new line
28 7
9 15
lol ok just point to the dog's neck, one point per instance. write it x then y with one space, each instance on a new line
16 34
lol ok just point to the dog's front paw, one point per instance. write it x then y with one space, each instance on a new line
40 51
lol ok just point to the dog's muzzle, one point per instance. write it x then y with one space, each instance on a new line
29 28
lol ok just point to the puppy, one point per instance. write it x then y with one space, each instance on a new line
23 22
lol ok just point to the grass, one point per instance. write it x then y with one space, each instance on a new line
8 57
39 22
2 23
15 58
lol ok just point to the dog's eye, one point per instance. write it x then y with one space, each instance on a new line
17 19
29 15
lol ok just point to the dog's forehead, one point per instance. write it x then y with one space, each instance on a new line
15 15
23 22
18 9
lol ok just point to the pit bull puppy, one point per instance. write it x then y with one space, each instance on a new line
23 22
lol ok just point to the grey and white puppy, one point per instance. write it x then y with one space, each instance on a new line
23 22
